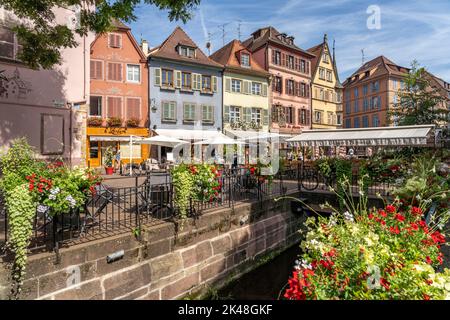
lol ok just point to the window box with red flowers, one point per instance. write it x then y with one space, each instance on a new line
133 123
95 122
114 122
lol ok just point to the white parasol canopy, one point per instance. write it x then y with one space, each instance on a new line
220 139
379 136
161 141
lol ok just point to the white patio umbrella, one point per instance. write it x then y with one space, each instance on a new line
220 140
266 135
161 141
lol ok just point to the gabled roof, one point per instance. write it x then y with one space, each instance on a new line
168 50
119 24
318 51
228 56
378 66
442 83
270 34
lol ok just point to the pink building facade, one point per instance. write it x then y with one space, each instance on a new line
48 107
290 69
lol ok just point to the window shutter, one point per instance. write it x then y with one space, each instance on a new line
173 109
307 90
226 114
111 39
265 113
273 56
177 80
119 71
227 84
199 81
283 59
114 107
110 71
99 70
264 90
307 66
308 117
286 83
93 70
133 108
214 83
157 76
246 87
297 88
247 114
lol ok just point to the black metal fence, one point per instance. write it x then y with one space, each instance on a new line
123 204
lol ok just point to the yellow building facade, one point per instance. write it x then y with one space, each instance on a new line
326 89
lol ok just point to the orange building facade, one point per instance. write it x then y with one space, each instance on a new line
370 92
118 109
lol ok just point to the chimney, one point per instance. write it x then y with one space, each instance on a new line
144 46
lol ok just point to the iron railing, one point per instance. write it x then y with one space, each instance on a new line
128 203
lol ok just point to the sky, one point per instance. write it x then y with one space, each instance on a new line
407 30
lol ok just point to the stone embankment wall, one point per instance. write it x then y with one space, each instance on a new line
163 263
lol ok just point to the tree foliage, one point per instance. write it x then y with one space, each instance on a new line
419 102
42 38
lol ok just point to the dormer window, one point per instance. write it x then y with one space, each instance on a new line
186 51
245 60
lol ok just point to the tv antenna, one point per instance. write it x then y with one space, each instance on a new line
239 29
362 56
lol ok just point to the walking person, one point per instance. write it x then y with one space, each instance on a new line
117 162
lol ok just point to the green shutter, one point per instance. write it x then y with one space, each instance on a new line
264 90
226 113
247 114
157 76
177 80
227 84
246 87
265 117
214 83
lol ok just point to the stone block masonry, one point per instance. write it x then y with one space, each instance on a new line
164 265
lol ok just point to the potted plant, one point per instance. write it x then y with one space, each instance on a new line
95 122
133 123
109 156
114 122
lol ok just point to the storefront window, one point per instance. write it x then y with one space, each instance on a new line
93 150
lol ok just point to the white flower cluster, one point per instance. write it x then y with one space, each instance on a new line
71 200
41 208
53 193
348 216
302 264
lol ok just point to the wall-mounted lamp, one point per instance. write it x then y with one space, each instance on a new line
153 106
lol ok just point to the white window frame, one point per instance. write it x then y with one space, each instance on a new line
101 106
139 73
192 107
245 62
210 111
174 111
15 45
234 88
235 114
256 91
256 115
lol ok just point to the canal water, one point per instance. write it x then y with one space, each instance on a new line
266 281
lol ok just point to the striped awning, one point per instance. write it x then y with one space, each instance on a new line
418 135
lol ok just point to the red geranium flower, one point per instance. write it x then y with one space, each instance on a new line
384 283
390 208
399 217
426 297
429 261
416 211
395 230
